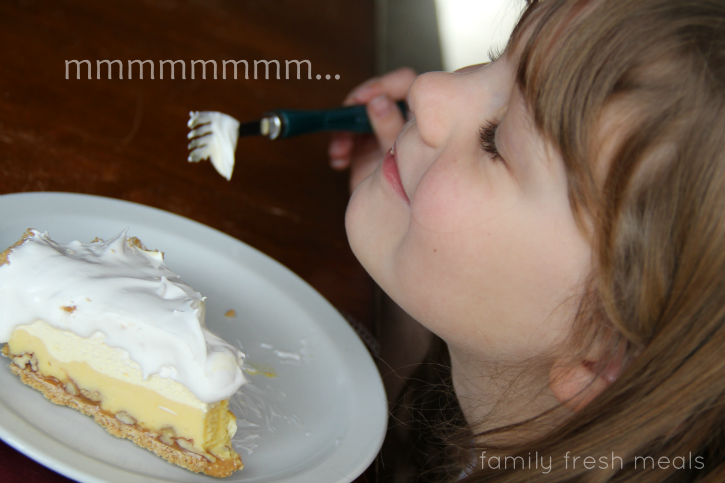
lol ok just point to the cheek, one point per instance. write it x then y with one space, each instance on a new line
459 284
458 194
499 287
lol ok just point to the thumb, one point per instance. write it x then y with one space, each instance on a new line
386 119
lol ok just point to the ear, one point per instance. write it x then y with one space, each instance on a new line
575 386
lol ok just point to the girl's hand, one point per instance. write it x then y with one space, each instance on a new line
362 152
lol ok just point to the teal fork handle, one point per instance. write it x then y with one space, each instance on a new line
352 119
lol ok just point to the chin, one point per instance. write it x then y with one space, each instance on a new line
375 224
357 224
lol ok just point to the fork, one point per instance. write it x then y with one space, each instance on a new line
214 134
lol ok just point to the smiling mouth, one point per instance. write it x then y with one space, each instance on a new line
392 175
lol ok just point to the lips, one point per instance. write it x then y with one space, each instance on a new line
392 175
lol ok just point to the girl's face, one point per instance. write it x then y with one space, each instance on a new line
474 238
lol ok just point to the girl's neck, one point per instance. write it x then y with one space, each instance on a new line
494 393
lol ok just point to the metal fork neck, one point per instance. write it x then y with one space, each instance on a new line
271 125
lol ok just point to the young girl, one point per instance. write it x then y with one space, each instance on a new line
557 217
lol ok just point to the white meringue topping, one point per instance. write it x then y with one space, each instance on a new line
128 295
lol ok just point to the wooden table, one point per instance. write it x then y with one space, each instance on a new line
126 138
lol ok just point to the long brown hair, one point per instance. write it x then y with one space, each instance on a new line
655 205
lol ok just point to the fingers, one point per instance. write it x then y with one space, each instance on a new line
379 94
340 150
386 119
395 84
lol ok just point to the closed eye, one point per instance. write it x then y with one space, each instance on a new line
487 136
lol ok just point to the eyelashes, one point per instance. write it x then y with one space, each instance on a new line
487 136
494 52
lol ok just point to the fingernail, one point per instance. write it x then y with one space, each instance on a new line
338 163
381 105
334 147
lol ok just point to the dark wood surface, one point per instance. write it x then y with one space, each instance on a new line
126 139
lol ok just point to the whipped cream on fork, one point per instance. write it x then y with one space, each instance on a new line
213 136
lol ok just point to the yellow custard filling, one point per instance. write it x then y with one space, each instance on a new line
209 431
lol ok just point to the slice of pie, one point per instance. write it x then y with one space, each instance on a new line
105 328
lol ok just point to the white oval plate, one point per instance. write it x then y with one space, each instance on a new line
321 419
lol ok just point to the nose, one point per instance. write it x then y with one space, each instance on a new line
433 102
458 103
